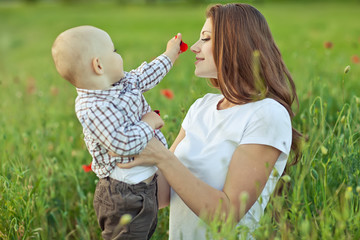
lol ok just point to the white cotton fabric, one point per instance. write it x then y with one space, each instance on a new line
211 138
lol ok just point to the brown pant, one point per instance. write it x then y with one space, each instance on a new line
113 199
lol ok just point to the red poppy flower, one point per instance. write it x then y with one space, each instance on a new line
328 45
355 59
87 168
157 112
31 85
54 91
167 93
183 46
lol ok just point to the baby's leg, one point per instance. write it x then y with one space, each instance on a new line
113 199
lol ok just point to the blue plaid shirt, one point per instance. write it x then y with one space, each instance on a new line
111 119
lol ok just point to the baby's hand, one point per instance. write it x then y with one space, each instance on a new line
183 46
112 154
174 47
153 119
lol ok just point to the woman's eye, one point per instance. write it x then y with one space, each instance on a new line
205 39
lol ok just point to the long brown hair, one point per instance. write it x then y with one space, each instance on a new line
238 31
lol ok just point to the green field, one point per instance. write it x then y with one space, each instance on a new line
44 192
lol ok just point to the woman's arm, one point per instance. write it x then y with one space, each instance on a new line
249 171
163 193
163 185
178 139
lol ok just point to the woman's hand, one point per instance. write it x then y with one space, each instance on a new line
153 154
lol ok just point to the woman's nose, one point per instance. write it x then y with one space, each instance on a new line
195 47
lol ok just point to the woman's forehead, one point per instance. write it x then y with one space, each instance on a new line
207 26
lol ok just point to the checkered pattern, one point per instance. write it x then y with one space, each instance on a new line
111 119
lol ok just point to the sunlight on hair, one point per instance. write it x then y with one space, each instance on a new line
259 82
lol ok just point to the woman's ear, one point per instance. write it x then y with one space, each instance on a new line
97 66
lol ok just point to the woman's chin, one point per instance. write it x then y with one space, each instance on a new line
204 75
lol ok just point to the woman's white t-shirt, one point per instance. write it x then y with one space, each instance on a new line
211 138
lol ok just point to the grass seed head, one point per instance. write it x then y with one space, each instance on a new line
347 69
125 219
286 178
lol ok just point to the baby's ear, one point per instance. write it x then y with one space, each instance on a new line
97 66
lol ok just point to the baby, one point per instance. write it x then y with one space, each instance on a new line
116 119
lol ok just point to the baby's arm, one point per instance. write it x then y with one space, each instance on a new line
148 75
115 133
173 48
154 121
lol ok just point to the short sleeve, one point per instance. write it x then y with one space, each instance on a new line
270 125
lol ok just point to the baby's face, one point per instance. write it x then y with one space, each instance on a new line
111 60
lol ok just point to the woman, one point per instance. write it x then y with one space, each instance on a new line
229 143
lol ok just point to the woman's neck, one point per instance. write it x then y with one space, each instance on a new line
224 104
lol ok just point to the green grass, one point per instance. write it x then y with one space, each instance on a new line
44 193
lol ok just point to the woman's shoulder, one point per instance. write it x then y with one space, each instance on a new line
269 106
268 112
210 97
269 124
207 99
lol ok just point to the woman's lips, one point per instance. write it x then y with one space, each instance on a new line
198 60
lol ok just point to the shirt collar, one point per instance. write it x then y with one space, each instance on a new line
115 88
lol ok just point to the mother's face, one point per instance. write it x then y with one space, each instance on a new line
205 65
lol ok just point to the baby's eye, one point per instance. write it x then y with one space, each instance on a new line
115 50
